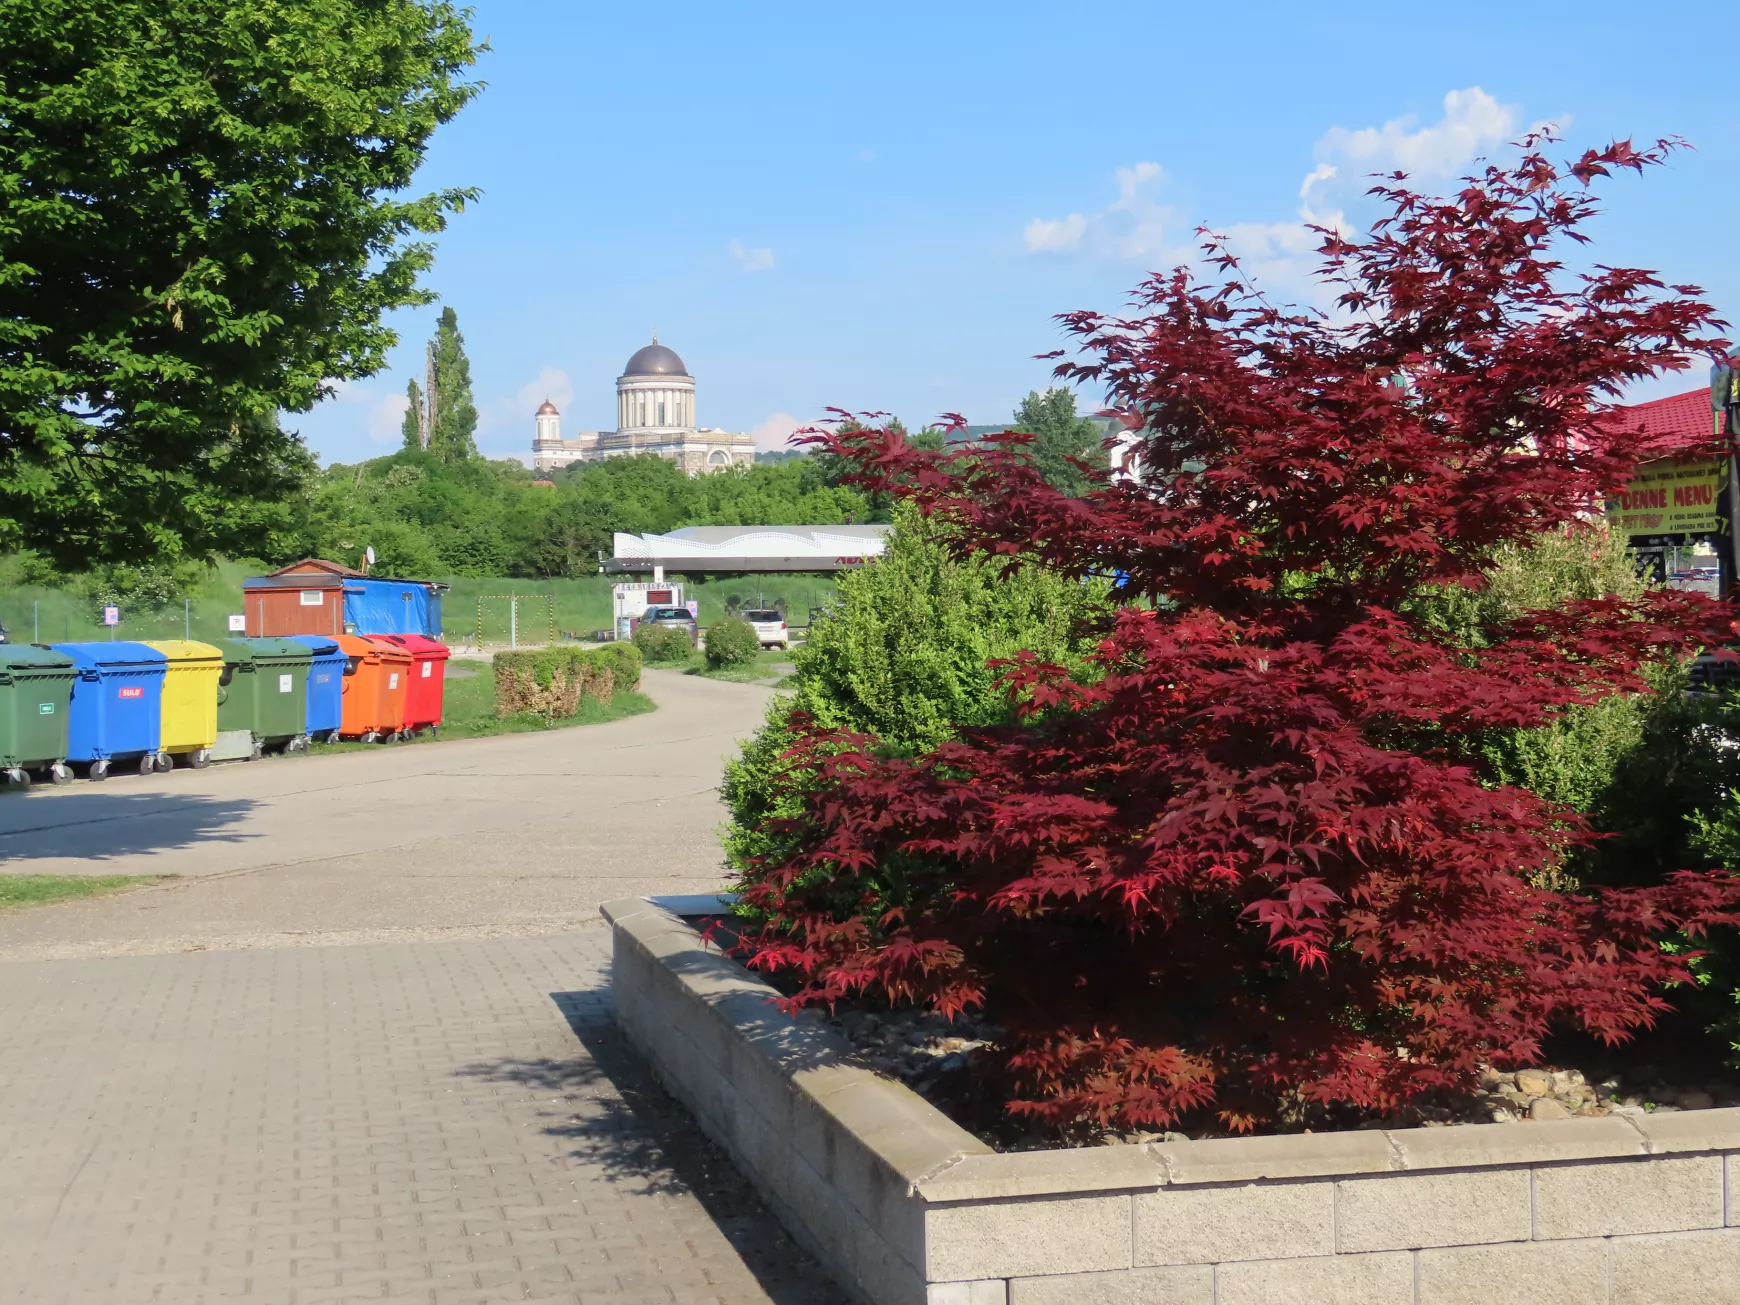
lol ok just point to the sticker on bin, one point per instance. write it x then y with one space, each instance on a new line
284 683
47 709
393 680
135 691
426 667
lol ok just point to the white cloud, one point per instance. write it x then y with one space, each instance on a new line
771 434
552 383
1135 226
1051 235
383 414
750 260
1473 123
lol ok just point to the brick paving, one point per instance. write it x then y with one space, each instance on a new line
439 1121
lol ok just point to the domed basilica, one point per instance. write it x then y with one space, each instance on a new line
655 413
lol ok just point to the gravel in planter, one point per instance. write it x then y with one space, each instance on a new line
933 1056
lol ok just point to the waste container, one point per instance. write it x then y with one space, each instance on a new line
116 715
376 676
423 699
190 700
264 690
35 690
325 686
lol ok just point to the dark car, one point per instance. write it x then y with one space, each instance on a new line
673 618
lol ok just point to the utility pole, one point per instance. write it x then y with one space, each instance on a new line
1725 417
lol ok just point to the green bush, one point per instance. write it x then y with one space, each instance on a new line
625 660
550 682
661 645
731 642
902 655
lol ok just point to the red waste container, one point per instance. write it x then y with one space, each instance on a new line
428 678
376 676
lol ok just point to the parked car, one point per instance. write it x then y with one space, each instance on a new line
673 618
769 627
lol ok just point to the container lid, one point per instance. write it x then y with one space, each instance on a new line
354 645
271 649
28 657
421 645
321 645
186 650
88 656
237 652
388 648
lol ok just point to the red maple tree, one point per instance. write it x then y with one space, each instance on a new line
1249 871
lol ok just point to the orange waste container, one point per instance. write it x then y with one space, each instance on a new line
376 678
428 678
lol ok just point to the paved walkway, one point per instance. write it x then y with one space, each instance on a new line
447 1114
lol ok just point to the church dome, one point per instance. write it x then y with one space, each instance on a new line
655 360
548 410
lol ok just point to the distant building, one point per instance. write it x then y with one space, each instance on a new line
761 550
655 413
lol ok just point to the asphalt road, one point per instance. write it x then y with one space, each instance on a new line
515 835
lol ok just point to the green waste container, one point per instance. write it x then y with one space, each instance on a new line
35 691
264 690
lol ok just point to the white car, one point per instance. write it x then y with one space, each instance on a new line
769 627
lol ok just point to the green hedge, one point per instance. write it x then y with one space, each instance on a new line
551 681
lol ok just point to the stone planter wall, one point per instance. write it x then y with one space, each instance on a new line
906 1208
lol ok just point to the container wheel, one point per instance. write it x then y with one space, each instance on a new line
258 752
60 773
165 763
297 744
148 764
18 777
200 759
371 736
100 768
434 731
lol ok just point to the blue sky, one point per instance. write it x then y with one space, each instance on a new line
882 207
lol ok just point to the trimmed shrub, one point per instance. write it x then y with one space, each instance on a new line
660 645
731 642
625 660
549 682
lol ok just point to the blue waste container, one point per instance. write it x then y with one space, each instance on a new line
325 686
116 716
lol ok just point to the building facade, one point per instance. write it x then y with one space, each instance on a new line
655 413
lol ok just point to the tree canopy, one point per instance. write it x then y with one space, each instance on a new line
1060 439
202 222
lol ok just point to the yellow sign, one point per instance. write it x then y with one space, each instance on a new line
1674 496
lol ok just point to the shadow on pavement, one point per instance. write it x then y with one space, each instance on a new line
98 824
631 1129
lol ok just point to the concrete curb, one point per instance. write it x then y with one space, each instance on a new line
904 1206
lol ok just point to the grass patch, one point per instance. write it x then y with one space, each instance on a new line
769 664
39 890
468 711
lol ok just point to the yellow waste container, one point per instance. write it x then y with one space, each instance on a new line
190 701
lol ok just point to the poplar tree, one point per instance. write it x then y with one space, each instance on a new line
452 439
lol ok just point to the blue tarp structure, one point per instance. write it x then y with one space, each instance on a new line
391 607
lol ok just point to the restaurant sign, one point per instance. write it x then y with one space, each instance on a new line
1671 496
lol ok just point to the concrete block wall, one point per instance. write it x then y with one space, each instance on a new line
906 1208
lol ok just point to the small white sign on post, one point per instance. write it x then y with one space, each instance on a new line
111 616
238 623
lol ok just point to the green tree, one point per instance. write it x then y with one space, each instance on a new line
412 427
201 224
451 437
1059 435
902 655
